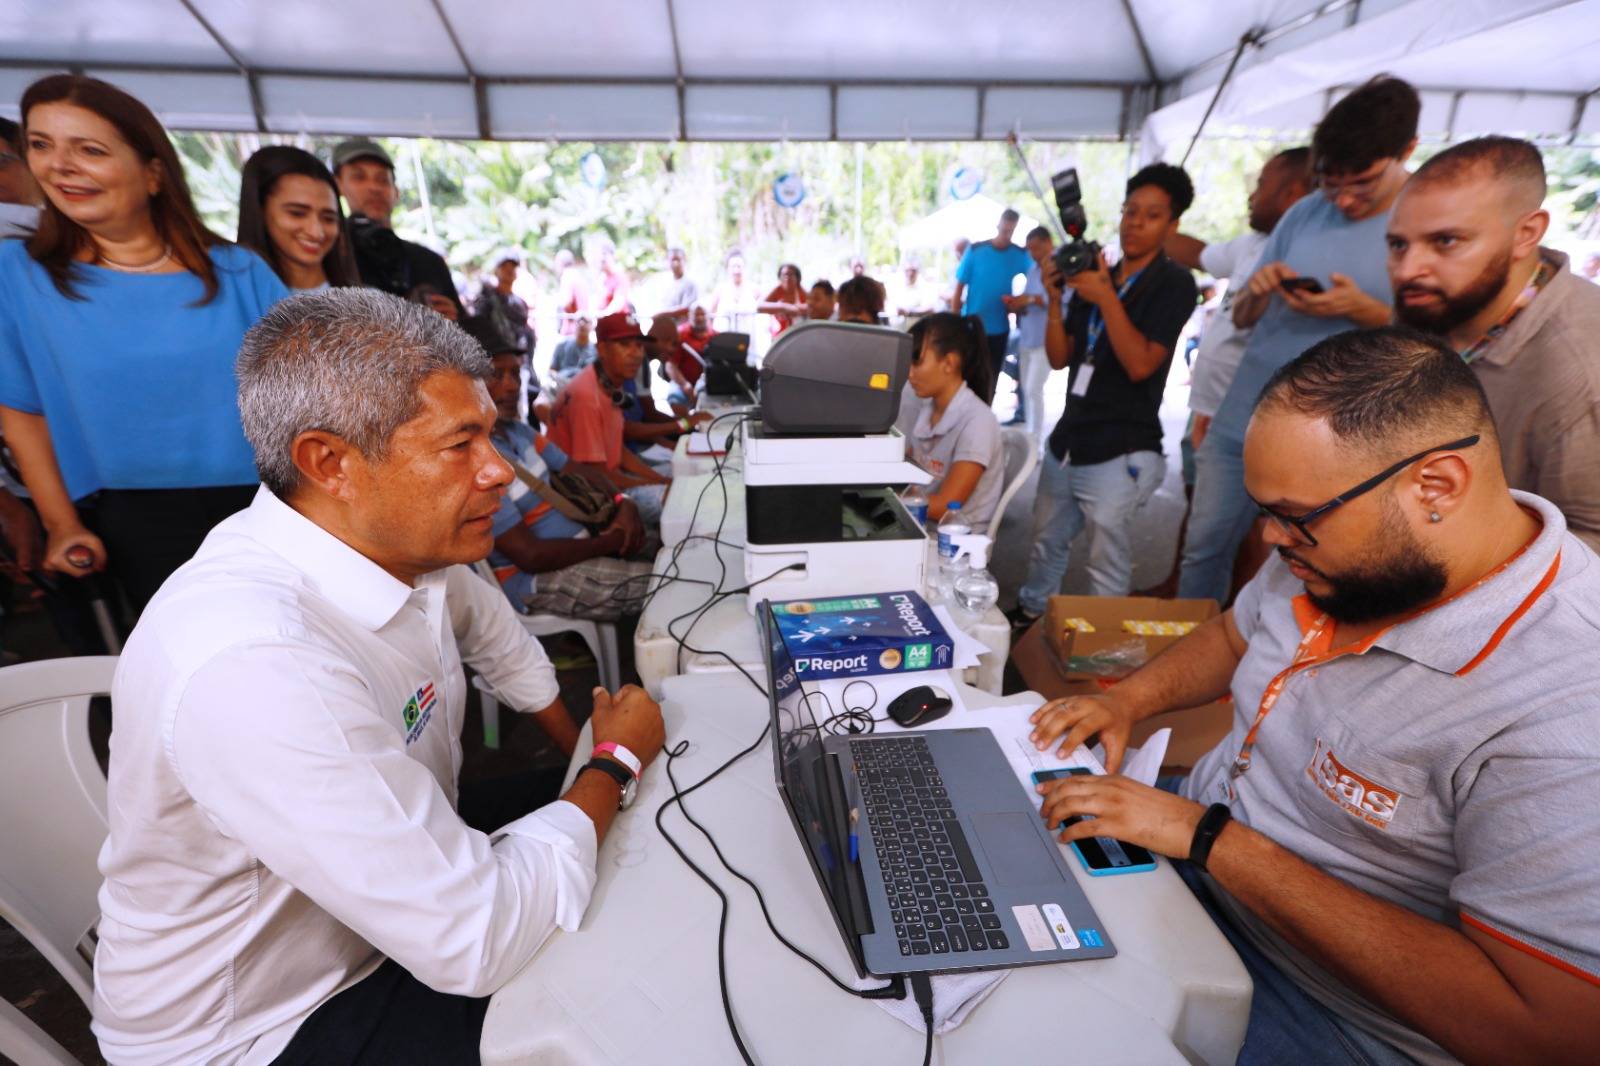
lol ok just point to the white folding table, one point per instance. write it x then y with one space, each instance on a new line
728 630
638 982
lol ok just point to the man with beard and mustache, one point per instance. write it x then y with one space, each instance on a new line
1466 265
1401 833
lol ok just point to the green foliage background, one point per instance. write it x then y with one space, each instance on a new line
711 198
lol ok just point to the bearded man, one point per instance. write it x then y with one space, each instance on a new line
1400 833
1466 265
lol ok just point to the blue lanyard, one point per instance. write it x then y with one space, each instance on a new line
1097 322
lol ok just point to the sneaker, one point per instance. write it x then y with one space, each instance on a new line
1020 619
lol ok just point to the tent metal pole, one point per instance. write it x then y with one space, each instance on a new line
1138 38
238 62
677 67
1245 41
1051 212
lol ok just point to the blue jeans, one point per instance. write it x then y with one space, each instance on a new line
1106 496
1286 1025
1219 520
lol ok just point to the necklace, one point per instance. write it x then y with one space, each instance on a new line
142 268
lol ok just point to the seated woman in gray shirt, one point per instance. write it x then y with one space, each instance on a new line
955 436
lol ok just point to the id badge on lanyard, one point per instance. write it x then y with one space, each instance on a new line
1097 327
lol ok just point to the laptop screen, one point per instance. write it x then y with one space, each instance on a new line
806 780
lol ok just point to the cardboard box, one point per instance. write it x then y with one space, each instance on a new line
1195 730
854 636
1080 627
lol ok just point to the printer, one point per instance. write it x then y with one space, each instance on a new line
822 465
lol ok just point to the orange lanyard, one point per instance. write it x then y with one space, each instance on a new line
1307 653
1303 657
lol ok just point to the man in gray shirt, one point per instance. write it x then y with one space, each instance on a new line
1466 264
1403 832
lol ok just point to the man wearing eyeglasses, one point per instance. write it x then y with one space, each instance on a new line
1323 272
1401 833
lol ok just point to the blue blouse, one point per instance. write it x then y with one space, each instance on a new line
136 385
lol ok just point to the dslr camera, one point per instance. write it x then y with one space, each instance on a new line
381 255
1077 255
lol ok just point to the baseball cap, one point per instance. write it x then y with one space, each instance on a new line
620 326
495 340
360 148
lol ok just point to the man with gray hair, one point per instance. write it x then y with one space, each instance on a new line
292 873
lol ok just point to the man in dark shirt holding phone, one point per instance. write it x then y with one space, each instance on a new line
1104 457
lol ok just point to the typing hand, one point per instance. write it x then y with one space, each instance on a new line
1076 719
630 718
1123 809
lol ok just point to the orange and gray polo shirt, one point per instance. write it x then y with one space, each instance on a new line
1449 764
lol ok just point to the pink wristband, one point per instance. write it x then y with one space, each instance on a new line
621 755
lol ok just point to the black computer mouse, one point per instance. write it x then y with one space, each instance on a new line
919 706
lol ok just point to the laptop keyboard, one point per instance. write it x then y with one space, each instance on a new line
937 899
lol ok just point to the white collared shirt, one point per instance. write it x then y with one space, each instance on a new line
282 796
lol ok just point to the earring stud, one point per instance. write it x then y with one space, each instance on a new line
1435 516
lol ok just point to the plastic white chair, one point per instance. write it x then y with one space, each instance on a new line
1022 455
49 881
601 637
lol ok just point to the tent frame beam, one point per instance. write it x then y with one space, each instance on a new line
240 66
1138 38
646 81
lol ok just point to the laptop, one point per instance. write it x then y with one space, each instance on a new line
953 868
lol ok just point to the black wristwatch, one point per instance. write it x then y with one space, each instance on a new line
1205 834
618 773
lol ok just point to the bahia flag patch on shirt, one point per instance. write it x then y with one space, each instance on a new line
417 711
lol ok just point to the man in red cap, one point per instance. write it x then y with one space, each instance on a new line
587 421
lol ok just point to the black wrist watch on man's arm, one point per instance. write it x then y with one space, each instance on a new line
1206 832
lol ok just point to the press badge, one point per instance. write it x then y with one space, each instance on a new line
1080 381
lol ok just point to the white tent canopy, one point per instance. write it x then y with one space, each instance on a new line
847 69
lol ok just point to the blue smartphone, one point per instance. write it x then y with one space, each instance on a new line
1100 856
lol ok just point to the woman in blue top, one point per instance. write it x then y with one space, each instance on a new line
119 323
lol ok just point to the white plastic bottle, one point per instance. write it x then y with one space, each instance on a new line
953 525
975 590
916 502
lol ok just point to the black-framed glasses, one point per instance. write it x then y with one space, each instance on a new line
1298 525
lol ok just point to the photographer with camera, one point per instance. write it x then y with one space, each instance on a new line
1104 457
365 174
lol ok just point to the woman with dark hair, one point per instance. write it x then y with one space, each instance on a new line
119 322
787 301
956 436
290 215
860 300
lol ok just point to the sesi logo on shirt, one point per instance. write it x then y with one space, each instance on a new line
417 712
1373 803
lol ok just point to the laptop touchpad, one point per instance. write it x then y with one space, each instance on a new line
1011 843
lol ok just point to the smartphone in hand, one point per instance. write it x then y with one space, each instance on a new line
1301 285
